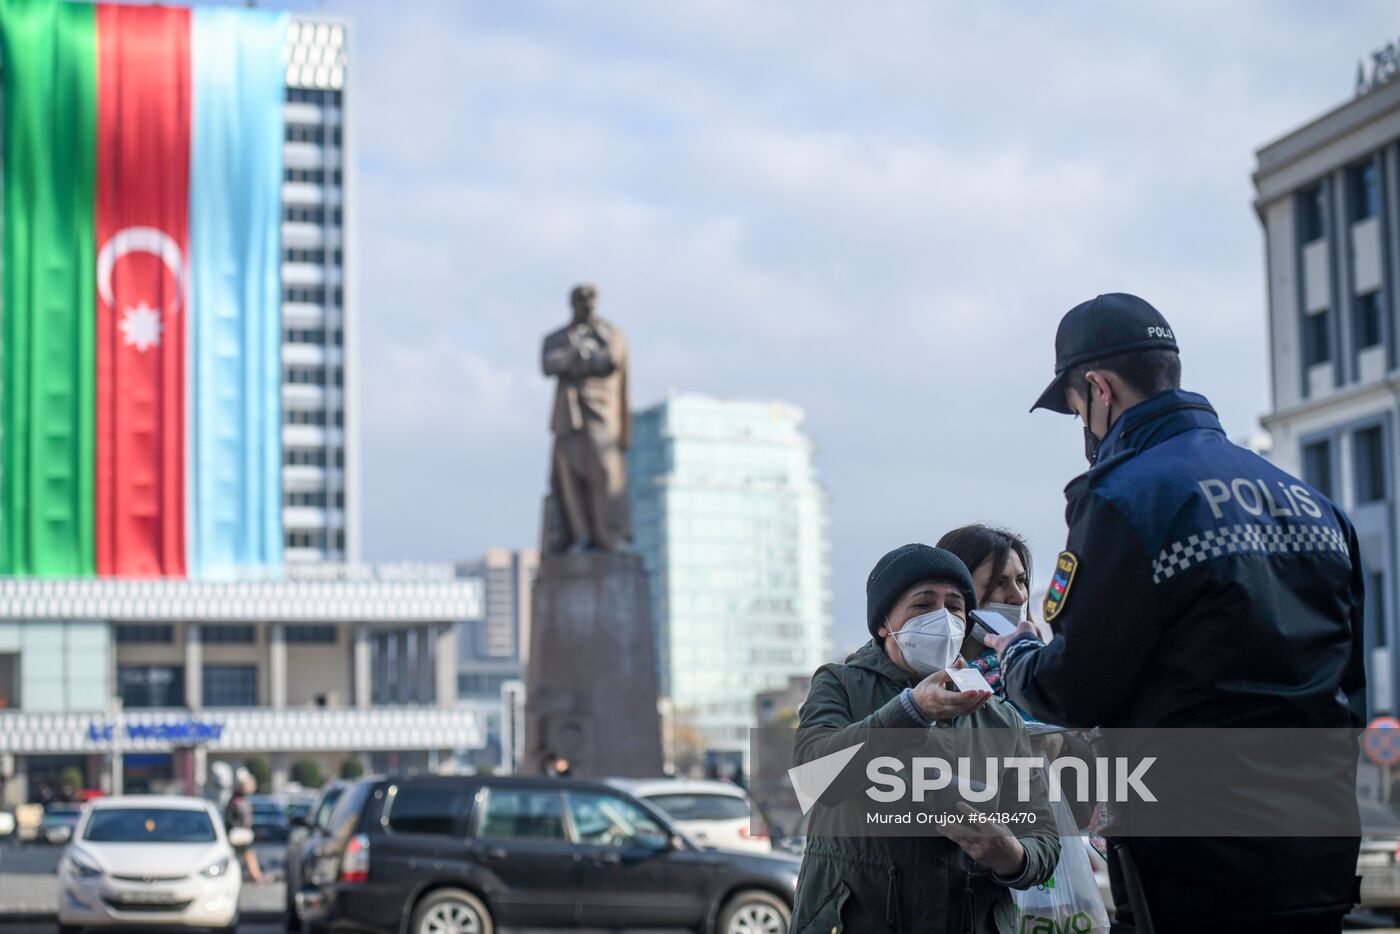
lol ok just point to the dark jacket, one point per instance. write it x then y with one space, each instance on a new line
1204 587
853 882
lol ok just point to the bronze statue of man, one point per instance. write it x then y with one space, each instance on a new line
587 509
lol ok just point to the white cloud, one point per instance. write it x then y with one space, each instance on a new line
878 214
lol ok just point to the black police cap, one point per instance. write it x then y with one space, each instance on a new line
1105 326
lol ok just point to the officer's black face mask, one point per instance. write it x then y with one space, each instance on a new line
1091 440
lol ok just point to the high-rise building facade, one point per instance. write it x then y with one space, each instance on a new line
320 472
494 649
508 579
1328 197
731 522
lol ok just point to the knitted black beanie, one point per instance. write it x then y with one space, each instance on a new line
906 566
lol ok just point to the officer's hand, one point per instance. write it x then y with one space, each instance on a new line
939 701
1001 642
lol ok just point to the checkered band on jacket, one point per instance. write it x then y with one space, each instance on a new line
1245 539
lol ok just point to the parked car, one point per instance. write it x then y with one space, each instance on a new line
58 822
473 853
717 814
304 845
138 861
270 824
1377 864
299 807
794 845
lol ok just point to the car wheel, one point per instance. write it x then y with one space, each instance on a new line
755 912
451 911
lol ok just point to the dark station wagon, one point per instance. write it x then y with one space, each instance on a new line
422 854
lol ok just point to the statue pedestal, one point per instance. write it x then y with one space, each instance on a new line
590 688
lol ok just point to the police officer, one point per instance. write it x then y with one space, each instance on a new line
1201 586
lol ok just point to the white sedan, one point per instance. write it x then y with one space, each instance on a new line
137 861
716 814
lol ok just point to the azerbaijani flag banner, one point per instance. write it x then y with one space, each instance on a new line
140 426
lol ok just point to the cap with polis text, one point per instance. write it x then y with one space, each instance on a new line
1111 324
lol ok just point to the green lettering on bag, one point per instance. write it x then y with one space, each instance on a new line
1077 923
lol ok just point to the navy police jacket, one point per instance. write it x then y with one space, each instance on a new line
1202 586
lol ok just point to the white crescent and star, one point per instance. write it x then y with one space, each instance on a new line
140 324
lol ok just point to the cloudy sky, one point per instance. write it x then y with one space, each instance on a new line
875 211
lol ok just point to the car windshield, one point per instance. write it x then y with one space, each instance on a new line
701 806
150 825
323 813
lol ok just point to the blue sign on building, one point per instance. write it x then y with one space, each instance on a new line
175 731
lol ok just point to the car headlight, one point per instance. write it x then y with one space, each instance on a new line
215 869
80 866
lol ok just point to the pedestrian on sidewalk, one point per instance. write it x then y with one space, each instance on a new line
239 813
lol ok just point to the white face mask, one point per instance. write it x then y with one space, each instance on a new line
931 642
1013 612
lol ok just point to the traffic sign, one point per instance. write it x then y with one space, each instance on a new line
1381 741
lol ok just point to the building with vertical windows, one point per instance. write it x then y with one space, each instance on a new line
508 579
493 650
1328 197
320 472
731 523
276 643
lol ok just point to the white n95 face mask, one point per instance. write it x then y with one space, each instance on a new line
1013 613
931 642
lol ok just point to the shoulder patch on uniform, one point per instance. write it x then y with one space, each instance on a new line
1055 597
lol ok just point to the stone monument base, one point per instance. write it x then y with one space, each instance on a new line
590 687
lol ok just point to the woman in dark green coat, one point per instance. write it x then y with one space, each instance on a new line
895 695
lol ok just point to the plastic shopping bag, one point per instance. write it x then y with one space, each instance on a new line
1069 901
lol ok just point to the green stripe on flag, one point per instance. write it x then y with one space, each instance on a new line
49 59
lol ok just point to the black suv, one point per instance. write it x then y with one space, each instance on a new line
304 844
433 853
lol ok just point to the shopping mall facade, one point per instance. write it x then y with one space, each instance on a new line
140 684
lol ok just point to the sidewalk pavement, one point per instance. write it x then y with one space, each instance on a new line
26 897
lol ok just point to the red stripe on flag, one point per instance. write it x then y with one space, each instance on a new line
143 170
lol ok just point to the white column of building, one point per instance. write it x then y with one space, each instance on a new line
360 666
194 668
380 648
281 773
445 665
277 665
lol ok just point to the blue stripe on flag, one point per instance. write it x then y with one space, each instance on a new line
235 437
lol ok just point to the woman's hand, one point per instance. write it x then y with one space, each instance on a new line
997 848
939 701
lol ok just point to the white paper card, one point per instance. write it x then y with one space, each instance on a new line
969 679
